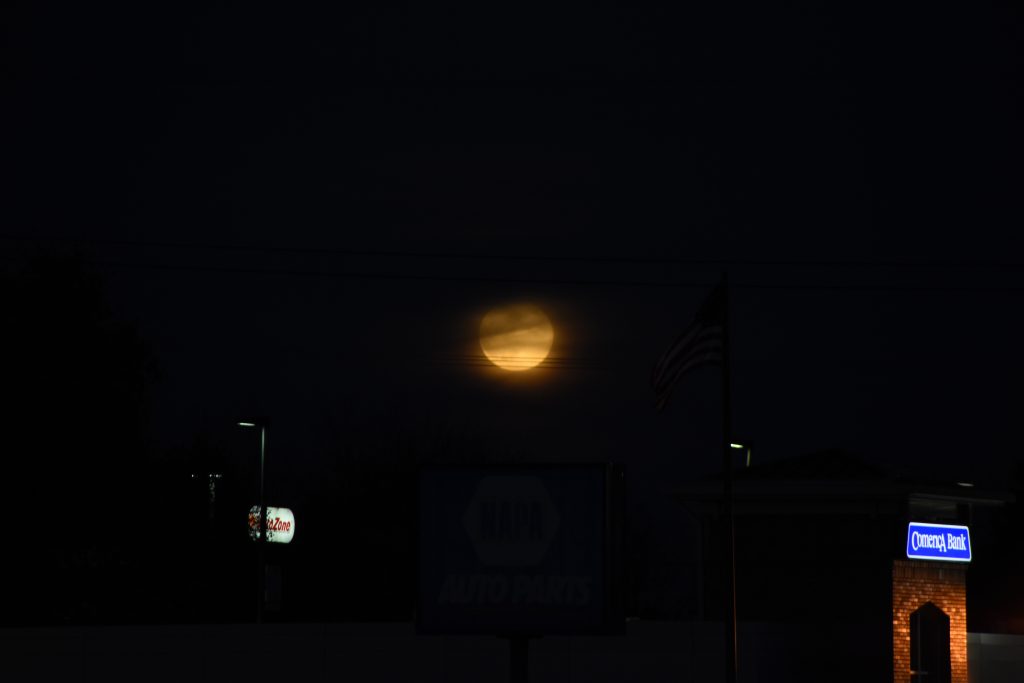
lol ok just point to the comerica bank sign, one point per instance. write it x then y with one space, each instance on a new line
938 542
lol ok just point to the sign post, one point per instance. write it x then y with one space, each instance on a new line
519 659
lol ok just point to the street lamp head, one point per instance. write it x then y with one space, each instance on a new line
743 447
246 424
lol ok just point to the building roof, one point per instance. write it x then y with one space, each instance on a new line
831 481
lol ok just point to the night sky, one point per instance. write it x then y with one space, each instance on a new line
305 213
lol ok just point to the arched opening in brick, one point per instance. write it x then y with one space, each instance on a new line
929 645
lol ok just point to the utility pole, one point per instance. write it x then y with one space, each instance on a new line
261 541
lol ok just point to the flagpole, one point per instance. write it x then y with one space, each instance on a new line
731 654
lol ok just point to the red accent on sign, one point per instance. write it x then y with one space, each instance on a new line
273 524
276 524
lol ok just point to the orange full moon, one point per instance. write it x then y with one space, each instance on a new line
516 337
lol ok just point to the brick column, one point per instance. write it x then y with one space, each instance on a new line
943 584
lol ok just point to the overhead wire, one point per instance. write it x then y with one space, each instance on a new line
736 283
566 258
688 284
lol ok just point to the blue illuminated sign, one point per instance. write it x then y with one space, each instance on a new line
938 542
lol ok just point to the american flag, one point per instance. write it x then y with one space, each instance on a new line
700 344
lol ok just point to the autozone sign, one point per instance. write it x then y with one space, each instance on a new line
280 524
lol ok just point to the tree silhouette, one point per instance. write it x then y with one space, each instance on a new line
73 399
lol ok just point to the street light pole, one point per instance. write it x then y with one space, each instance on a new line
262 539
263 528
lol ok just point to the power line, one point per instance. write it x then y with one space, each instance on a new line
370 275
560 258
570 281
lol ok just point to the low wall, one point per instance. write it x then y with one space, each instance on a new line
298 653
995 658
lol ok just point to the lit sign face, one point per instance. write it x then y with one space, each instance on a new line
519 549
938 542
280 524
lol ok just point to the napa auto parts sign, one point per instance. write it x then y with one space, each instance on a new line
519 549
938 542
280 524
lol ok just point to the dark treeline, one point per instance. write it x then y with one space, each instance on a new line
74 406
102 526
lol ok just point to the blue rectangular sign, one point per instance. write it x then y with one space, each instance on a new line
938 542
520 549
